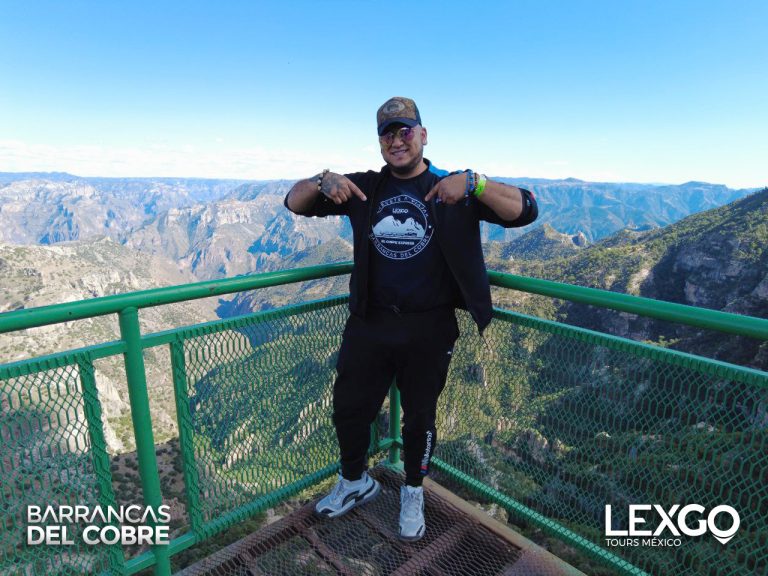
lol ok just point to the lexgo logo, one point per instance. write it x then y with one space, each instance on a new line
690 520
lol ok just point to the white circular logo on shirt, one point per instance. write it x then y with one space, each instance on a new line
401 229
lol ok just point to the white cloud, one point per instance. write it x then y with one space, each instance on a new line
218 159
164 159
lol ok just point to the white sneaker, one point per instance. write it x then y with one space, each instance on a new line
346 495
412 525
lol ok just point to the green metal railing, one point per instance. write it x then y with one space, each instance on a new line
549 421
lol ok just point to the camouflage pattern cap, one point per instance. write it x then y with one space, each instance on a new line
397 110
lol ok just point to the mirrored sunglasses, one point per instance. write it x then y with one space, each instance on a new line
405 134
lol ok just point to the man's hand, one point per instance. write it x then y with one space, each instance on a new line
339 188
449 190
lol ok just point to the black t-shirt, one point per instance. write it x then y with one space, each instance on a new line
407 267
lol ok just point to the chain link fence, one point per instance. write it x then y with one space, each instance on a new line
566 421
52 454
549 422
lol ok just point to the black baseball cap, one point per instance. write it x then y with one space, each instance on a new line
397 110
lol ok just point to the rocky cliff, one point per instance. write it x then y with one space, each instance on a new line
599 209
46 208
716 259
250 231
39 275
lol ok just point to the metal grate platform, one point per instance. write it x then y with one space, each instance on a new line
460 541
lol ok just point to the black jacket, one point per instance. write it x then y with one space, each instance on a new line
457 228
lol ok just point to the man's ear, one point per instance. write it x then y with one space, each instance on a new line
423 136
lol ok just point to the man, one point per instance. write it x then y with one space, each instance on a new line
417 256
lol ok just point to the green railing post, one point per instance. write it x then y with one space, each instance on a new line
394 427
99 454
142 424
186 437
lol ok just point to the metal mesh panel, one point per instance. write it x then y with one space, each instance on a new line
565 422
365 542
46 460
561 420
259 397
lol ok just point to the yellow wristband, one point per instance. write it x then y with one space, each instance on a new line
480 188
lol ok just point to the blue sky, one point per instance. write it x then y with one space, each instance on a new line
647 91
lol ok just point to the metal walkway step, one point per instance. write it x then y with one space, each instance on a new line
461 540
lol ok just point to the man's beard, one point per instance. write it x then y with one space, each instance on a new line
408 167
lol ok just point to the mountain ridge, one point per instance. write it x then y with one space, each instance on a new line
32 276
219 228
716 259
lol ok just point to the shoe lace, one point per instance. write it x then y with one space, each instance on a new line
411 503
337 491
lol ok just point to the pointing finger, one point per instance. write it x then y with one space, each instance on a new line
431 193
356 191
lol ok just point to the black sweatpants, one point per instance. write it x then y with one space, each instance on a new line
415 349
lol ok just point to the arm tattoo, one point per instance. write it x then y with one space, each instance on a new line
330 182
